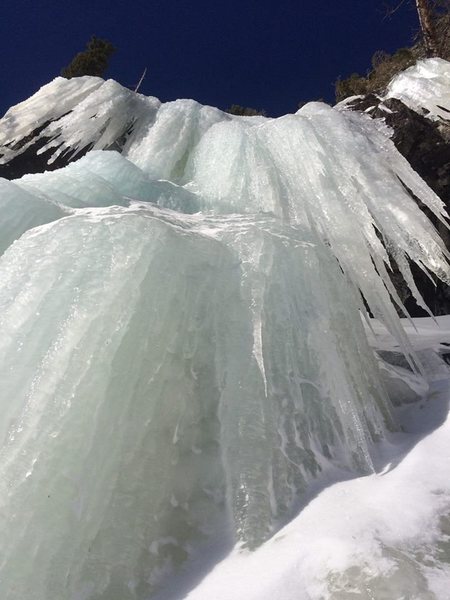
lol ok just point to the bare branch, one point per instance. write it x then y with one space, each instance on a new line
141 80
390 10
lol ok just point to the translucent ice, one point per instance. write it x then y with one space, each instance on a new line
20 210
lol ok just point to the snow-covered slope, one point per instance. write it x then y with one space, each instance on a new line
182 354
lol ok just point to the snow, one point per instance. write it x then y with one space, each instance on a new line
425 332
187 363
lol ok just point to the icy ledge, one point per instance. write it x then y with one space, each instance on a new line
424 87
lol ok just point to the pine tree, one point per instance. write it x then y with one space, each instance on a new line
93 61
243 111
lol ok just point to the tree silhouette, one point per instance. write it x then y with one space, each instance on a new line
243 111
93 61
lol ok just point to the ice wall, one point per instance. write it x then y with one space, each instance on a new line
182 351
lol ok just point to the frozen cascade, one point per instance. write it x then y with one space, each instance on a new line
182 354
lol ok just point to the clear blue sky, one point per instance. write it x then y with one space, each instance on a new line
262 54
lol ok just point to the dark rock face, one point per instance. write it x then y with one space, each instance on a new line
426 146
28 160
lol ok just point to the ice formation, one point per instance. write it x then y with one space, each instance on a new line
182 354
424 87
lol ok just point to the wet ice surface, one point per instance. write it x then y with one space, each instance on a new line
186 360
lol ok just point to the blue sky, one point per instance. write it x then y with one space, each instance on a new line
263 54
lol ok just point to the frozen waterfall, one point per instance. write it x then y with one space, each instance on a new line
184 348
